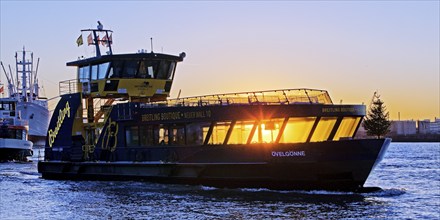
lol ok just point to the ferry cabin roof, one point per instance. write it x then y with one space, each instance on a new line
133 56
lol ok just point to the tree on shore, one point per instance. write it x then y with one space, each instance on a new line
377 119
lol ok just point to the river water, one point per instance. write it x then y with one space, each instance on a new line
409 176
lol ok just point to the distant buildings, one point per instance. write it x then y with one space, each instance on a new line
428 127
410 130
407 127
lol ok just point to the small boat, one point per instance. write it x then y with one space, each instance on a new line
119 124
13 133
25 89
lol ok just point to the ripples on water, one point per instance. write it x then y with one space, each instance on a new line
409 176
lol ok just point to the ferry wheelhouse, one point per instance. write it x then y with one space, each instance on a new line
118 124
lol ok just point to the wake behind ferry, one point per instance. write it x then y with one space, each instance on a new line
116 123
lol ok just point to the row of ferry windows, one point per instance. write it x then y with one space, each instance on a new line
296 130
7 105
147 69
13 133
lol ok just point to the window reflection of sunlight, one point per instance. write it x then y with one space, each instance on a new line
296 130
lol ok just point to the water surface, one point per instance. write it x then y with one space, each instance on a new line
409 176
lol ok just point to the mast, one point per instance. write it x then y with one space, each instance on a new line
24 70
24 81
106 40
23 76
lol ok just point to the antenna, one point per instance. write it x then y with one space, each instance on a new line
151 41
178 95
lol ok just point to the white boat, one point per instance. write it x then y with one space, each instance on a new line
14 143
25 89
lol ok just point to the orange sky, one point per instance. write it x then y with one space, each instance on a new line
351 49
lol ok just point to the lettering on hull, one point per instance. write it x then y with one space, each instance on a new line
290 153
61 115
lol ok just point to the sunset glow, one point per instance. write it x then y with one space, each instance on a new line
349 48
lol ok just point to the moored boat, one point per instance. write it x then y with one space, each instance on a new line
278 139
13 133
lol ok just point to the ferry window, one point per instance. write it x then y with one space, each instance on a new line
297 130
150 68
130 69
218 133
163 135
177 135
110 73
163 71
7 106
267 131
194 133
323 129
84 74
102 70
117 67
19 135
146 69
12 133
171 70
150 72
94 72
240 132
142 73
347 128
146 135
132 136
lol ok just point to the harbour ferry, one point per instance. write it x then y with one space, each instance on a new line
14 144
115 122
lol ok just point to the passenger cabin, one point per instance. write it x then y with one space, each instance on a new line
283 116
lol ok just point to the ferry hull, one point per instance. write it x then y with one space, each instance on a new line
343 165
14 149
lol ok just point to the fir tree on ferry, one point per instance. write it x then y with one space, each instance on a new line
377 120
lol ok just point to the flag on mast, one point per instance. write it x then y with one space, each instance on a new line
79 41
90 39
104 41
